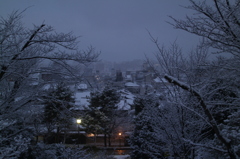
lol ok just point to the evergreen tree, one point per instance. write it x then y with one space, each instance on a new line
101 115
146 141
139 104
57 110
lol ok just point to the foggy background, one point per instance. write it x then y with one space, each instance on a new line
116 28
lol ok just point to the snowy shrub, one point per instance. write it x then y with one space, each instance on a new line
146 139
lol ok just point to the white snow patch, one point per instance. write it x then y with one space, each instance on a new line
82 86
81 98
131 84
160 80
126 101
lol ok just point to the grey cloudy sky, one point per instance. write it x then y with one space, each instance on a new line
117 28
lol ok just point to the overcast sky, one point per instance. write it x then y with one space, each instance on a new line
117 28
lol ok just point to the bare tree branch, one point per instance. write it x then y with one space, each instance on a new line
206 111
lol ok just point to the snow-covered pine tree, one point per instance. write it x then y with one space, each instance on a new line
146 138
102 113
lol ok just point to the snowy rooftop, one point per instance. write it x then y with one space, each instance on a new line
127 100
131 84
82 86
129 76
81 99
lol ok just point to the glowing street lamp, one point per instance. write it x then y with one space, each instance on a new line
119 134
78 122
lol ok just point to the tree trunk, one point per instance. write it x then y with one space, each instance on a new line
95 139
105 139
57 140
65 136
109 140
37 139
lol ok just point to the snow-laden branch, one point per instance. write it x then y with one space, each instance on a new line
207 112
81 57
192 110
216 22
204 145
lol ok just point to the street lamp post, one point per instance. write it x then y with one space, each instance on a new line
78 123
120 134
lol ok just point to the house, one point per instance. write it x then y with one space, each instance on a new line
160 83
81 99
132 87
82 87
124 122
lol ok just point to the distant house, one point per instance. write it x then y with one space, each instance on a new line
160 83
126 101
145 89
129 78
119 76
82 87
73 136
139 76
132 87
50 77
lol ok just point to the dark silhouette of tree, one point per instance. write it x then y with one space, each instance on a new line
102 113
57 110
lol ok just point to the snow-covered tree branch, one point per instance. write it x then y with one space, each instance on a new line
207 112
22 52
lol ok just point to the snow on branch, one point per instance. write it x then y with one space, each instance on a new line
204 145
207 112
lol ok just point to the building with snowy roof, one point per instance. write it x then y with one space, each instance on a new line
132 87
